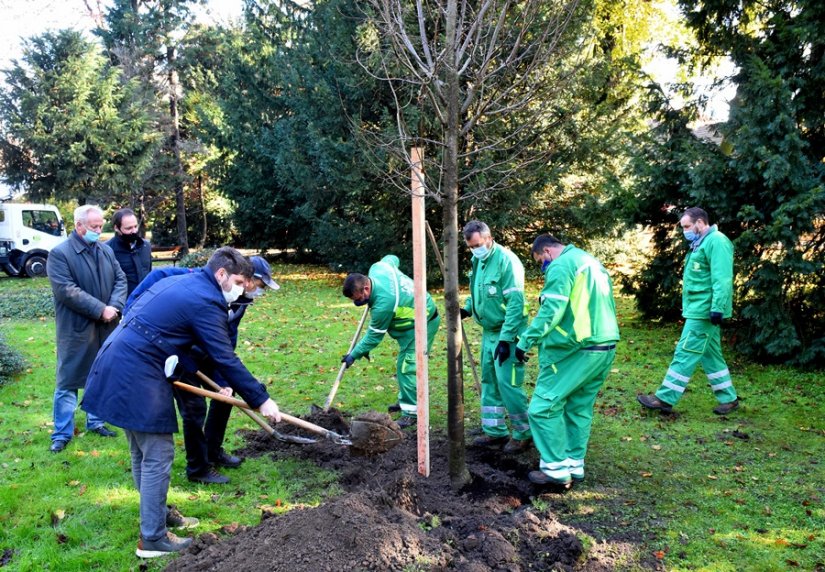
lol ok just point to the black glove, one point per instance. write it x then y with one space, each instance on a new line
464 314
348 359
502 352
716 318
521 355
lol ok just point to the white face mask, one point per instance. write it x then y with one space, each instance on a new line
234 292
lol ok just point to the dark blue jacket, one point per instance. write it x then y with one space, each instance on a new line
136 261
151 279
127 386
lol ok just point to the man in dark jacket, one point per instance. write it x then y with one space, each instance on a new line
203 433
132 252
168 319
89 290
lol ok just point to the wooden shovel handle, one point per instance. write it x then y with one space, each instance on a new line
343 367
317 429
251 414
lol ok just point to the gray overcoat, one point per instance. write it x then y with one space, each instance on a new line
85 279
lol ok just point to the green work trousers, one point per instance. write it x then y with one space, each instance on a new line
405 365
561 411
701 342
502 390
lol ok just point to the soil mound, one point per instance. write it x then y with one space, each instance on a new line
391 518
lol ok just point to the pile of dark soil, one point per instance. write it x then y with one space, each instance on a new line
391 518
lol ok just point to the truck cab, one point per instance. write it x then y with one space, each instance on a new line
27 233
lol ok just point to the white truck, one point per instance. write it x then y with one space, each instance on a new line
27 233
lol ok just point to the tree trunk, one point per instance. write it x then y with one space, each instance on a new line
459 476
174 141
205 220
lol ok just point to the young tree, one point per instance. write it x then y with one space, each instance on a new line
69 127
484 71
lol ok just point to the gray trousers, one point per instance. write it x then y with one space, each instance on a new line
152 456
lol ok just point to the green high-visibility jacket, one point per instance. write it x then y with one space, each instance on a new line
707 281
392 305
576 307
497 293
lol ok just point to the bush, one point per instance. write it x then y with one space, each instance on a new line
11 361
27 304
196 259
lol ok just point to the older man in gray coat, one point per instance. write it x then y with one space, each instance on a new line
89 292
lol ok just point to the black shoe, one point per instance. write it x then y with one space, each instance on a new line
490 442
58 446
653 402
725 408
224 459
515 446
394 408
210 477
406 421
540 478
103 431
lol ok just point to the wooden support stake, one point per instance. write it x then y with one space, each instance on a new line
420 293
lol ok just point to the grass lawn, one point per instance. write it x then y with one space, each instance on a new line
692 490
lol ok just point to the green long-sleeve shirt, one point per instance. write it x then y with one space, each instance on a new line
392 305
576 307
707 281
497 293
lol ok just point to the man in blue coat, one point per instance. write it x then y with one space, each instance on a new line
127 385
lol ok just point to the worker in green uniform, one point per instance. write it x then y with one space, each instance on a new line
707 299
389 293
496 302
576 333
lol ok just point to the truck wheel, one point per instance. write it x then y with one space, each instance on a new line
35 266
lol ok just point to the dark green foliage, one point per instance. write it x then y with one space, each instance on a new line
11 361
764 184
27 303
196 258
69 127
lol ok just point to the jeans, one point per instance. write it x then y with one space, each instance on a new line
65 402
152 456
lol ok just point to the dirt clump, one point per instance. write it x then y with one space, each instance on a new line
391 518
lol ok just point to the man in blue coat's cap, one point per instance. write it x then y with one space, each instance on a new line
127 385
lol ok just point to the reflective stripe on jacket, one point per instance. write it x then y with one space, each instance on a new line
497 293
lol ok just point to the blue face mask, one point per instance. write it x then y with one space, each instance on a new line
690 236
544 265
480 252
91 236
361 302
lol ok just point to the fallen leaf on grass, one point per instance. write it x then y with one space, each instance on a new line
95 453
713 477
659 554
656 447
782 542
793 563
192 497
57 516
646 475
81 490
74 483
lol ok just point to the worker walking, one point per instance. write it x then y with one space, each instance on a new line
707 299
496 302
576 331
389 293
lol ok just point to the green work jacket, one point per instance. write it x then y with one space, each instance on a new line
497 293
576 307
392 305
707 281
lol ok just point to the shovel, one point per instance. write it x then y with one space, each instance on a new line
257 418
343 368
367 436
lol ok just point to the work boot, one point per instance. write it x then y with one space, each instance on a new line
725 408
210 477
58 445
406 421
541 478
515 446
103 431
394 408
174 519
489 442
224 459
653 402
168 544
